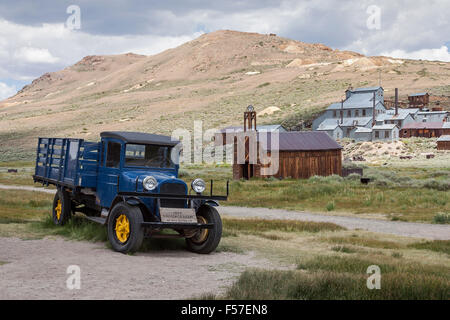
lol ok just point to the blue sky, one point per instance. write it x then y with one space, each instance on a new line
34 37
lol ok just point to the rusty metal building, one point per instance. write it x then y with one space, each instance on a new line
443 143
419 100
425 129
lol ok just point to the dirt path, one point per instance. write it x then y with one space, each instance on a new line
407 229
26 188
36 269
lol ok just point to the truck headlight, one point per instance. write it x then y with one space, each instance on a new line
150 183
198 185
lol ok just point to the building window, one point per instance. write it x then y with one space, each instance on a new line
349 113
377 134
356 113
364 112
334 114
386 134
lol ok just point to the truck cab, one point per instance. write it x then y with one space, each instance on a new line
131 185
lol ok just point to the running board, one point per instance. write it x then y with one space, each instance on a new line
97 219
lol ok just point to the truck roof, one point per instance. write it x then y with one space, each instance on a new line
140 137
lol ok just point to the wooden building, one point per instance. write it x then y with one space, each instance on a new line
425 129
443 143
419 100
298 155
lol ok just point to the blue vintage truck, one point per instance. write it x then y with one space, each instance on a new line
129 182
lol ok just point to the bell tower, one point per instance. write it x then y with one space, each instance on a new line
250 119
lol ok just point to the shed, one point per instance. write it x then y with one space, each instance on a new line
388 132
419 99
443 143
301 154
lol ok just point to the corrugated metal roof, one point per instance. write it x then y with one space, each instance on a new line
366 89
417 94
363 130
387 126
300 141
424 125
444 138
348 122
446 125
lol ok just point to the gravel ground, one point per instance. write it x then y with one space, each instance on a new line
407 229
36 269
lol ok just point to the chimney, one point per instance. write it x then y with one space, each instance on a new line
373 111
396 101
342 111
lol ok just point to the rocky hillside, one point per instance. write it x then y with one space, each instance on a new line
212 78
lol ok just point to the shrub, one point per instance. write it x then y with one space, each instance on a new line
442 218
330 206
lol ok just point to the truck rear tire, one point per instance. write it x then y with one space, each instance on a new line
125 232
206 240
62 208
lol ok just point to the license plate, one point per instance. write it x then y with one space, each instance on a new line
178 215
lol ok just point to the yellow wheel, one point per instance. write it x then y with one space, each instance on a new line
125 232
206 240
61 210
58 209
201 234
122 228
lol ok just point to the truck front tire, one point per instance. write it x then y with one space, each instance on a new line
62 210
206 240
125 232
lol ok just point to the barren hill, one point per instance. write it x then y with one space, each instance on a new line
212 78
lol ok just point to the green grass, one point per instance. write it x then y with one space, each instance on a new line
319 285
364 242
435 245
252 226
77 228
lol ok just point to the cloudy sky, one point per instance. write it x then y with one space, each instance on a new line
38 36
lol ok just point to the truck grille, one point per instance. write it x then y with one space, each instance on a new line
173 188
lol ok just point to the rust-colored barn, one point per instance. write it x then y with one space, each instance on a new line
443 143
300 155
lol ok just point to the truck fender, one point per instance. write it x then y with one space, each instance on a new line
212 203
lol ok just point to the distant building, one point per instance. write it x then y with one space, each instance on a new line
363 116
425 129
443 143
419 99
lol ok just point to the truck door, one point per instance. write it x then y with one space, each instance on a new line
109 171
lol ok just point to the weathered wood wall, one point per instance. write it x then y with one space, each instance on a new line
301 164
443 145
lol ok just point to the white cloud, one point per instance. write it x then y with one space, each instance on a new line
35 55
441 54
6 91
29 51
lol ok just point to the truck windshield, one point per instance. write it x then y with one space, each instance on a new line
147 155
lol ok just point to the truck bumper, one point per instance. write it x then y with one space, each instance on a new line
172 225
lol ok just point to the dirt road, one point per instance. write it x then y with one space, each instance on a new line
406 229
36 269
